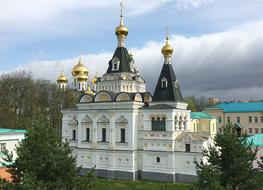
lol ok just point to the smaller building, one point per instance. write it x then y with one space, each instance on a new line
257 141
213 101
247 117
203 122
9 139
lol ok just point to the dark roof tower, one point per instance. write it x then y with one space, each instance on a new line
121 58
167 88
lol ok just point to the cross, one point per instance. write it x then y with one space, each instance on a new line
121 4
166 28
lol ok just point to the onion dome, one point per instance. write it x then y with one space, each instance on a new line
89 91
121 30
167 49
80 67
82 77
62 78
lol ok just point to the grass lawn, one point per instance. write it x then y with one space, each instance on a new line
106 184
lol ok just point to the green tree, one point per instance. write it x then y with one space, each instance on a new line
45 162
191 103
229 162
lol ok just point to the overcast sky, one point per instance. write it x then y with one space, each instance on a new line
218 43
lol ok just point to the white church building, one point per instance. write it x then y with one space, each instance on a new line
123 130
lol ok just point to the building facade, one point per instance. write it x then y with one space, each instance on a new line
9 139
247 117
127 133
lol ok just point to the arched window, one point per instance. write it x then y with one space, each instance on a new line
164 83
158 159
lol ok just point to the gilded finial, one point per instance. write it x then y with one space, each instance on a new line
167 35
167 49
121 30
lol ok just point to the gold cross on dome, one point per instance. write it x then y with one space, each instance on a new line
121 4
167 35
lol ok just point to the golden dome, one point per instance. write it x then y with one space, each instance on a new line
80 67
121 30
62 78
89 91
167 49
82 77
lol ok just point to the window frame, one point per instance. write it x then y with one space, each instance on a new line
2 147
187 147
74 135
256 119
238 119
103 134
250 120
164 83
88 134
250 131
122 135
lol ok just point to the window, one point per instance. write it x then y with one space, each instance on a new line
74 134
261 130
123 135
238 119
115 64
2 147
220 119
250 119
103 134
187 148
228 119
261 118
256 119
158 124
256 130
87 134
250 130
164 83
158 159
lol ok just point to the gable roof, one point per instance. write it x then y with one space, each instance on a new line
241 107
122 54
192 136
172 91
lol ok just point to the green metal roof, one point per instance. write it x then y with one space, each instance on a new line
241 107
201 115
257 139
3 130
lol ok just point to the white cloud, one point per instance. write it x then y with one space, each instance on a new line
43 10
188 4
226 64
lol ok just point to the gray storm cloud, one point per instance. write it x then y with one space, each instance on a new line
228 65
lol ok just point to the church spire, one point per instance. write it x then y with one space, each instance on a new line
167 87
121 31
